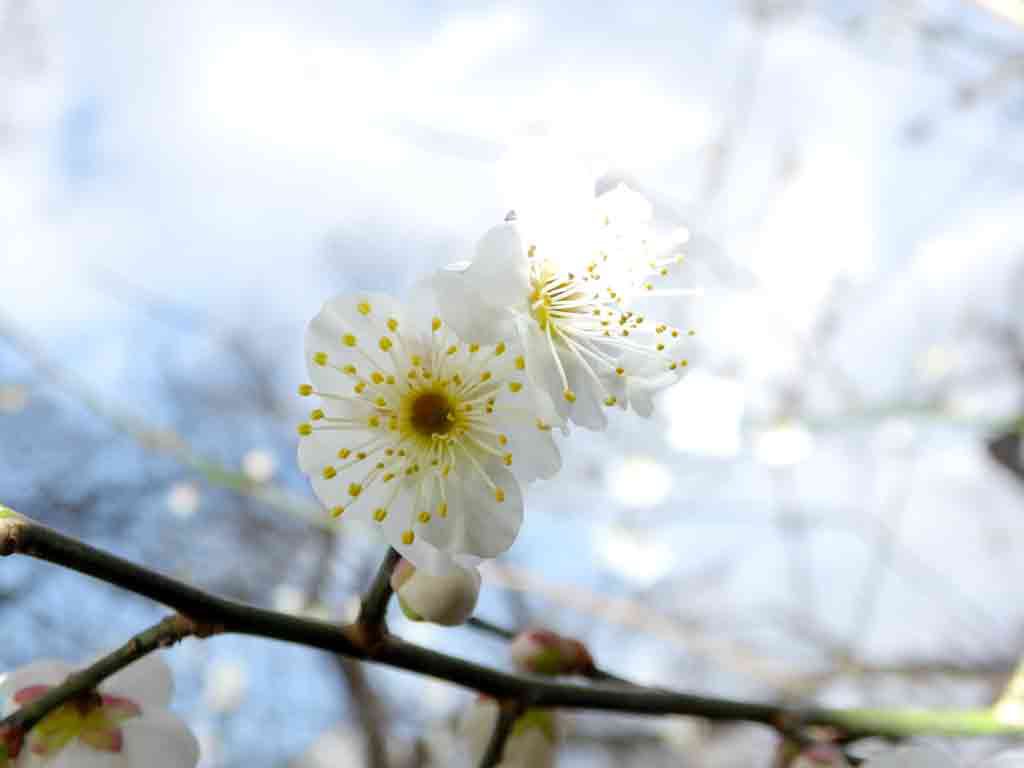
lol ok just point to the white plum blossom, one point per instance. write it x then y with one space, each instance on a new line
418 435
572 304
124 723
931 757
448 599
532 743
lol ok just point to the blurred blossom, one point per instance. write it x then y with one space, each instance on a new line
13 398
124 723
783 446
183 499
227 683
531 744
448 599
259 466
287 598
638 555
340 747
683 735
639 482
937 361
705 413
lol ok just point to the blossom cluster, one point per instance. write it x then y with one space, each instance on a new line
433 414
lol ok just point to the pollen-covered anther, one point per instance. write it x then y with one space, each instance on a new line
337 511
499 495
329 473
304 429
507 458
408 537
349 340
424 517
384 343
380 514
392 324
320 358
364 308
354 490
500 349
620 371
515 386
305 390
316 414
520 363
569 395
435 324
611 400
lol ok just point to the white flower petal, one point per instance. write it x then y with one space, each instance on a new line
79 755
42 672
159 739
486 526
463 307
500 268
912 757
147 682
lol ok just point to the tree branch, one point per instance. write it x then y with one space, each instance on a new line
375 603
20 535
508 711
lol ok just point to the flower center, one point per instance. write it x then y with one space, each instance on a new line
93 718
431 414
555 297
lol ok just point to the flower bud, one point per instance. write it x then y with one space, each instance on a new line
448 599
532 743
543 652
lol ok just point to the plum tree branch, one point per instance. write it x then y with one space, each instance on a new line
220 615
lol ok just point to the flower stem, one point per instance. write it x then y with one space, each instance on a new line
508 711
374 607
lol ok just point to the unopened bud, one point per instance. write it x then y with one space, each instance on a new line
543 652
532 742
448 599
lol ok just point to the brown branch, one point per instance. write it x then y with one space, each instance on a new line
20 535
508 711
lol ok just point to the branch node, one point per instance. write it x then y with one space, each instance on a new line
10 532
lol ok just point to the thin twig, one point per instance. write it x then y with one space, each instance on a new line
508 711
167 632
20 535
375 603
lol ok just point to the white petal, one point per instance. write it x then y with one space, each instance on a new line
463 307
541 366
588 409
42 672
148 682
160 739
535 454
485 526
79 755
912 757
500 269
448 599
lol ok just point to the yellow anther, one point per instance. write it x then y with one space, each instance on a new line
569 395
500 349
424 517
675 334
388 477
649 286
349 369
349 340
515 386
305 390
672 366
416 360
354 490
435 324
337 511
344 453
661 347
520 363
384 343
452 350
502 440
408 537
360 387
661 328
381 402
542 425
320 358
316 414
390 379
684 363
474 348
377 377
507 458
329 472
374 421
392 324
691 332
360 455
620 371
363 307
442 509
499 495
379 514
485 376
610 400
305 430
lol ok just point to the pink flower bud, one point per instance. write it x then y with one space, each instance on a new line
546 653
448 599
